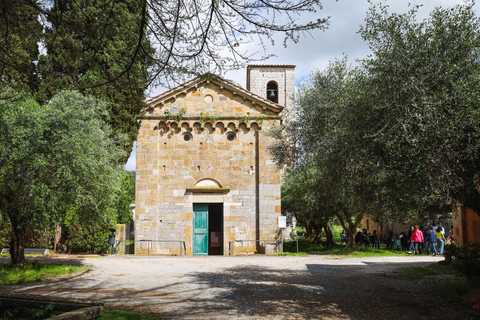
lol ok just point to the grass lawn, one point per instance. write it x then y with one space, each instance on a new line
34 272
433 269
449 284
307 247
29 313
124 315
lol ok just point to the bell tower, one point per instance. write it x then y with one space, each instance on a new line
273 82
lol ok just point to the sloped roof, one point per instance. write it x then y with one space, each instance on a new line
222 83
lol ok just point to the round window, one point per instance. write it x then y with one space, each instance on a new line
187 137
231 136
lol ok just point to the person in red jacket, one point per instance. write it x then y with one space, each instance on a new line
417 239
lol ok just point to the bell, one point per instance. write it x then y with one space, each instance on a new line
272 94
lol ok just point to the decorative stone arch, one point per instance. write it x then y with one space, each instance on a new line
207 183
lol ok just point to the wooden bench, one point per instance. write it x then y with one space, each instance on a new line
29 251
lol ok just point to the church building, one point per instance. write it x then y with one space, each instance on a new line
204 176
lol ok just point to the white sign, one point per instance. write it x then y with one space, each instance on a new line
282 222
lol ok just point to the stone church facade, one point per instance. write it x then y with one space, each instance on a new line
204 176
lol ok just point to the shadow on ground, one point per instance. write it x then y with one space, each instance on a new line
320 291
323 291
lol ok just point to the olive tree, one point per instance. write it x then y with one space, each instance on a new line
344 179
424 111
55 158
303 195
399 134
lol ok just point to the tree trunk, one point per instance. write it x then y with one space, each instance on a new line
309 232
351 228
56 239
329 235
318 233
17 244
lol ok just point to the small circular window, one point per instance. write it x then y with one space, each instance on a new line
208 98
231 136
187 137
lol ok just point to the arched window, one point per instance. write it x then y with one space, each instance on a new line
272 91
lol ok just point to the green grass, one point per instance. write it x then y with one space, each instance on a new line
124 315
336 231
433 269
107 314
450 288
34 272
89 256
307 247
29 313
300 254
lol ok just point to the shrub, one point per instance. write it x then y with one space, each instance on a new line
91 238
466 260
472 299
85 235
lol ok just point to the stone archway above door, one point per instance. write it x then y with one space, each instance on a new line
208 185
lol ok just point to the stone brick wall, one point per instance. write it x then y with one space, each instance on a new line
259 76
168 165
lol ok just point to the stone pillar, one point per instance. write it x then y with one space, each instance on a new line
121 235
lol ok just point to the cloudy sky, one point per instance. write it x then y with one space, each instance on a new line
315 51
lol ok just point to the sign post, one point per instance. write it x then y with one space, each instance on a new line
282 224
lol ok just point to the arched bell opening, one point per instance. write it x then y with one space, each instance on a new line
272 91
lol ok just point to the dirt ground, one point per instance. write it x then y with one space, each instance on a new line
255 287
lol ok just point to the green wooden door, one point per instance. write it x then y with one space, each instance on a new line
200 229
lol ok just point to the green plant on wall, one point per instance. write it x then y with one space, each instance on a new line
261 118
245 118
208 117
172 116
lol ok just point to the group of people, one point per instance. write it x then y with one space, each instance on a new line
416 239
434 239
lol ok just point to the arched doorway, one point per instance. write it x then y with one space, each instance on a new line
208 218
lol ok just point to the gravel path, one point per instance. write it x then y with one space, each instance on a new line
254 287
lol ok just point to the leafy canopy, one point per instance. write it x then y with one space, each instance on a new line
423 118
54 158
399 133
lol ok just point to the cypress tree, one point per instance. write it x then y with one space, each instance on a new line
91 45
20 33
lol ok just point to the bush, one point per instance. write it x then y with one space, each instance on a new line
466 260
472 299
36 238
293 235
88 238
85 235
